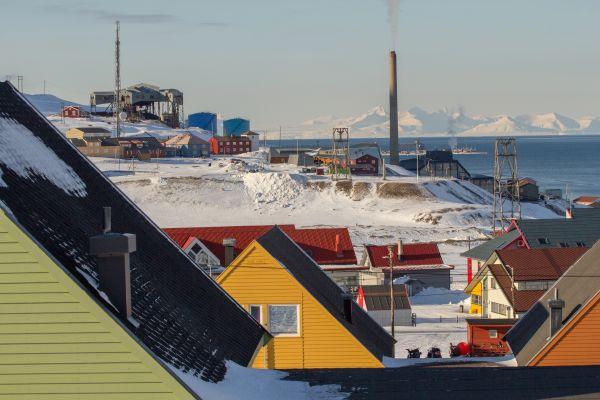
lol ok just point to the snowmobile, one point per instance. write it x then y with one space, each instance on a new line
414 353
434 352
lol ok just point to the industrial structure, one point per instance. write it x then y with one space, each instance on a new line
235 126
394 158
507 203
142 101
204 120
340 144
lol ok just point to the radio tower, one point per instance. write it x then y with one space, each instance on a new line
118 80
507 202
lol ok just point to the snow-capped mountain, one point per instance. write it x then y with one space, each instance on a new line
418 122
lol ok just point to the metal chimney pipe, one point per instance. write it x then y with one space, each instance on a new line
394 158
556 306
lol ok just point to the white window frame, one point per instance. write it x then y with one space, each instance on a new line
298 332
261 316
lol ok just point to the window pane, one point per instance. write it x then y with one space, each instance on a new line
493 333
283 319
255 312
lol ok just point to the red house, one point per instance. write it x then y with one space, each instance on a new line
230 145
485 336
364 165
419 264
208 245
71 112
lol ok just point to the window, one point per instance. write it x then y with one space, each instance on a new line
493 283
544 240
256 312
283 320
475 299
196 248
498 308
493 333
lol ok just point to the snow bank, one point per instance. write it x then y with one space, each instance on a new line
27 156
275 187
256 384
506 361
433 295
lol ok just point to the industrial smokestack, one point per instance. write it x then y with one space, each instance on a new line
394 159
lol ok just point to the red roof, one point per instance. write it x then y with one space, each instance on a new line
319 243
413 255
540 264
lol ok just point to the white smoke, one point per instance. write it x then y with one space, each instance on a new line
393 7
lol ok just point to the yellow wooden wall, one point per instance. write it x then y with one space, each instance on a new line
476 308
257 278
57 343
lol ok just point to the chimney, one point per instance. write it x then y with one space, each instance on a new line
556 306
338 247
112 251
229 245
394 158
400 249
569 212
347 301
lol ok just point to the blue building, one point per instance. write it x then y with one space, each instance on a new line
235 126
204 120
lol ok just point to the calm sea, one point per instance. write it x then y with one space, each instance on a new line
553 161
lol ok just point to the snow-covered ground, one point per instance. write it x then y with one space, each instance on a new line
245 190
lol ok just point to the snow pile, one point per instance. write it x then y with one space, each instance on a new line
433 295
506 361
256 384
27 156
275 187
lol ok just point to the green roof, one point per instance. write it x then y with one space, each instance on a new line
485 250
581 230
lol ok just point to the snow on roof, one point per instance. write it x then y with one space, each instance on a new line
27 156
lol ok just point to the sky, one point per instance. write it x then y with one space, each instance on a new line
280 62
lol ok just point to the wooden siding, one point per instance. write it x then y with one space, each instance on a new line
57 343
257 278
577 342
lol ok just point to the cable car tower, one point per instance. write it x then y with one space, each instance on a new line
507 202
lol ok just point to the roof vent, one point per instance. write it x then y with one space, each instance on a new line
556 306
112 251
338 247
400 249
229 245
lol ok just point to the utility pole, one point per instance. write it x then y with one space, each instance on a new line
118 80
417 148
280 136
20 83
391 265
44 86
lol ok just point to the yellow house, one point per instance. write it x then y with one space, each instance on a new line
56 342
314 324
88 132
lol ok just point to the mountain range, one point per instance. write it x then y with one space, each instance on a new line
419 122
414 122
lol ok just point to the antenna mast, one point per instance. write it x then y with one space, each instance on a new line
118 80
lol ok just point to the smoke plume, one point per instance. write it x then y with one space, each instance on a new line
393 9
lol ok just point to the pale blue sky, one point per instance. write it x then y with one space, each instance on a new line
281 62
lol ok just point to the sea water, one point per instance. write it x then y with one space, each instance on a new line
570 163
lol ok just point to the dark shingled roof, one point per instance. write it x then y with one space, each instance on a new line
576 287
485 250
308 273
584 227
184 317
468 381
377 297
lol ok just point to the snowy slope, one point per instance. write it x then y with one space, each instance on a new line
50 104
